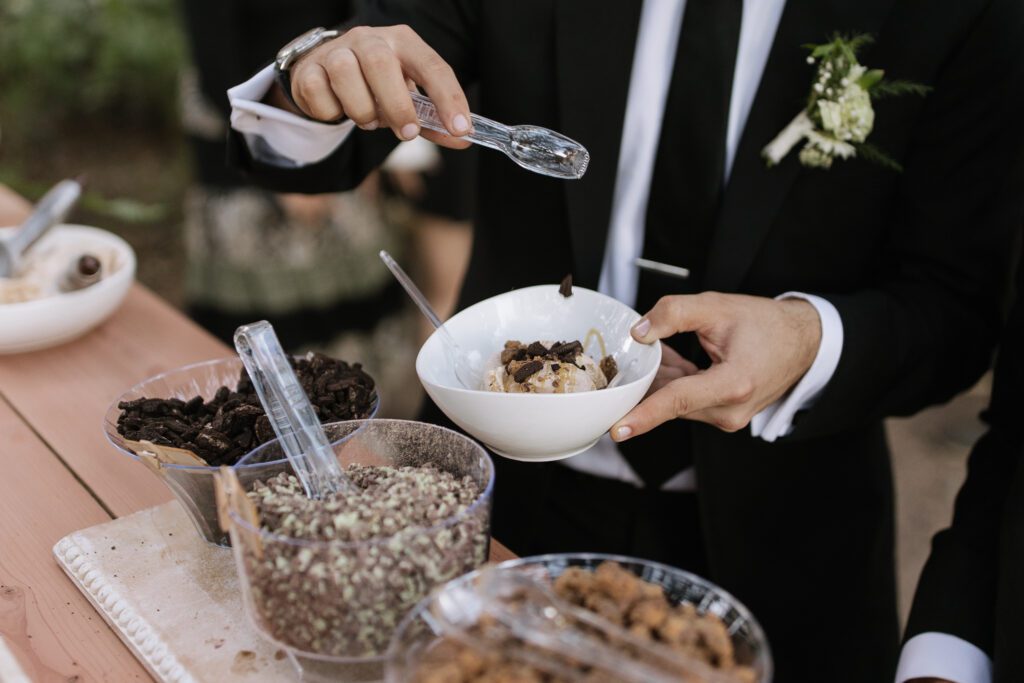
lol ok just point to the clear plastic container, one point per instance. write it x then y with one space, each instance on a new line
191 485
333 606
418 633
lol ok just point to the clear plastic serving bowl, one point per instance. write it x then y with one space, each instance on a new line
415 636
191 485
333 606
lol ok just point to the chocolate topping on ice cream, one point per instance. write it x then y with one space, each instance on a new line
565 289
527 370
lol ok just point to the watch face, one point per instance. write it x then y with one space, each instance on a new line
298 46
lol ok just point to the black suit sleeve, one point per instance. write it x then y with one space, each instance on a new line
926 332
957 590
448 26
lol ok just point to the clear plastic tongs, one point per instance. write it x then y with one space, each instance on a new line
524 619
290 413
536 149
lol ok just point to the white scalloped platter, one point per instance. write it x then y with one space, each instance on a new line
171 597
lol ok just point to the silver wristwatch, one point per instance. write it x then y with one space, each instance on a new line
290 53
298 47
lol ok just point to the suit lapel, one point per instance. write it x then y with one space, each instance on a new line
755 193
595 43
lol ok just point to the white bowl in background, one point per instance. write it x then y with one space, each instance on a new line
538 427
53 320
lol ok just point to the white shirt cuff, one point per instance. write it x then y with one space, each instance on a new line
276 136
940 655
777 419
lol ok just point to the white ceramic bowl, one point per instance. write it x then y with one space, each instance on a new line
538 427
56 319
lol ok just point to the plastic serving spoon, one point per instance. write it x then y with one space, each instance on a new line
536 149
289 411
467 365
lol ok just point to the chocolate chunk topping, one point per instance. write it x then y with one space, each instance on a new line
565 289
609 367
89 265
536 349
223 429
567 351
517 352
555 367
514 350
527 370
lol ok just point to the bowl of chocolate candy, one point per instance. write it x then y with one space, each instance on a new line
580 617
327 580
186 423
554 368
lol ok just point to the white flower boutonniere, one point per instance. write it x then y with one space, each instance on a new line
839 116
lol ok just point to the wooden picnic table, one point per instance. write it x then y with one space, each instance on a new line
59 474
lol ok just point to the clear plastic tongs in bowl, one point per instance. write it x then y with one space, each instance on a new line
509 611
290 413
536 149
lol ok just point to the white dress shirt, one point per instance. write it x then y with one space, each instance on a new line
940 655
281 138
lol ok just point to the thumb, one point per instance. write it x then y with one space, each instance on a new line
672 315
678 398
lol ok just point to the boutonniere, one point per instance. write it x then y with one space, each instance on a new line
839 117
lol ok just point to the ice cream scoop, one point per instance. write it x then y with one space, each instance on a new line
547 368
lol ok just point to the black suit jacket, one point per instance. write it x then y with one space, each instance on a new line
800 530
972 586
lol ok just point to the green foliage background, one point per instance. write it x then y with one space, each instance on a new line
91 87
65 60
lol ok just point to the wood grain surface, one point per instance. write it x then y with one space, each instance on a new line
64 392
50 627
61 475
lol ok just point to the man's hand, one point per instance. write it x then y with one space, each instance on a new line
366 74
759 349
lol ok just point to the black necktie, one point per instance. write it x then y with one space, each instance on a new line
686 190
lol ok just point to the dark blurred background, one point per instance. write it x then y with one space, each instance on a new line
124 91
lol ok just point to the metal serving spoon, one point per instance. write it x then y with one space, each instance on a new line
49 211
467 365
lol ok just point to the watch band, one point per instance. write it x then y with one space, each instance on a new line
291 53
284 81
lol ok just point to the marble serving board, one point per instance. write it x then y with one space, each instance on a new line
171 597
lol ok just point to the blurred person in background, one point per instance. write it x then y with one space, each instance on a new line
308 264
441 199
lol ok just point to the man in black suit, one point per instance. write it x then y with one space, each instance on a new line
909 266
972 587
